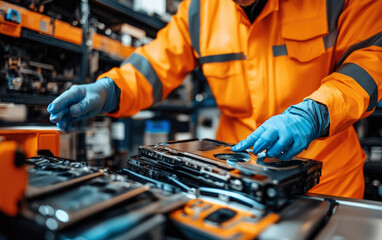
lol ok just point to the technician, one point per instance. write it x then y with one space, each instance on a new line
291 71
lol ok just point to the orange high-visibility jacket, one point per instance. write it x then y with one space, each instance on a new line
326 50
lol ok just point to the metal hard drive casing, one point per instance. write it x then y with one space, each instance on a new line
70 205
47 174
61 192
198 163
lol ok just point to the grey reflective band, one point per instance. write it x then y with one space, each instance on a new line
364 79
330 39
375 40
333 11
144 67
194 24
279 50
222 58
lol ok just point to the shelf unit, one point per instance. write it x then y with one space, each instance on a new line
38 37
150 24
38 27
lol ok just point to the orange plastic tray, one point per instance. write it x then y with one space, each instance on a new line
31 140
13 179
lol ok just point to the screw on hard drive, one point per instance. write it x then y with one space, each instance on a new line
261 156
271 192
223 197
255 186
192 191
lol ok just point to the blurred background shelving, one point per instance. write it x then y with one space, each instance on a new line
47 46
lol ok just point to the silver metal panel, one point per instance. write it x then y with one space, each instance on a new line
299 221
354 220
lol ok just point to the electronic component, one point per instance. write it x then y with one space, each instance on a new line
48 173
87 202
141 217
209 218
220 220
76 203
211 163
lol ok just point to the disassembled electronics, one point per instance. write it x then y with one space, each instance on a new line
215 219
73 204
218 220
175 190
211 163
47 174
84 191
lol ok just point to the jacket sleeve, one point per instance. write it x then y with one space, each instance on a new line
353 90
155 69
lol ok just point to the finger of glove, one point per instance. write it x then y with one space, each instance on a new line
57 117
267 139
68 98
250 141
88 104
68 127
261 155
63 123
293 150
67 122
281 145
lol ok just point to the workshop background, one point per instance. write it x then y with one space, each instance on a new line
72 42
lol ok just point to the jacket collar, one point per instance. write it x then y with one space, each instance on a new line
270 7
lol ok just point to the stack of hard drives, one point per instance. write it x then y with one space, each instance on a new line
210 163
175 190
65 199
235 195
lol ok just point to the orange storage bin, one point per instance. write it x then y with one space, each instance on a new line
30 140
13 179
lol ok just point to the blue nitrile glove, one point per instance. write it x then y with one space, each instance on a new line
287 134
84 101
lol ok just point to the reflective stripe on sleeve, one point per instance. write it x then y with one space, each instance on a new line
222 58
375 40
145 68
363 78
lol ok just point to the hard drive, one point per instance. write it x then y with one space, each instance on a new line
70 205
47 173
210 163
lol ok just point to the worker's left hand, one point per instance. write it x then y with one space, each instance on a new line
83 101
287 134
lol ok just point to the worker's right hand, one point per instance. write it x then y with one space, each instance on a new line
84 101
287 134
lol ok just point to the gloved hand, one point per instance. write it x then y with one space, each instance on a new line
286 135
84 101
